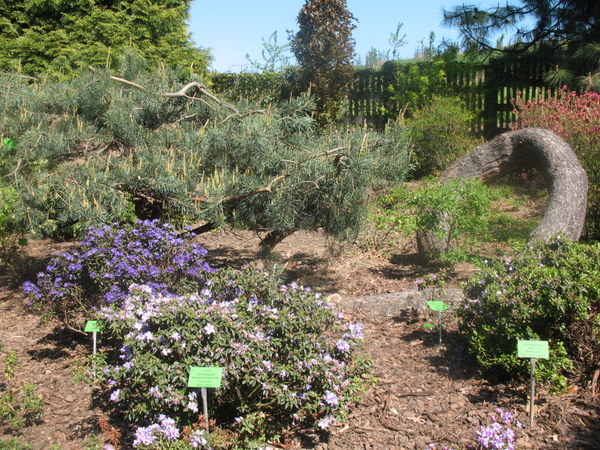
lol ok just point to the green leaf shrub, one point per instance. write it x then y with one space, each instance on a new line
464 204
262 88
440 133
576 118
112 257
415 85
288 359
550 291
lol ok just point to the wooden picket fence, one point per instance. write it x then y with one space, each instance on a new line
487 90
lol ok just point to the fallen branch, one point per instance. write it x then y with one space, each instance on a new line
183 92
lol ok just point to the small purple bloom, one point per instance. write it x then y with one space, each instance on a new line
197 439
342 346
330 398
145 435
114 396
326 422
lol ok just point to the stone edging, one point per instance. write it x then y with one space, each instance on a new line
392 304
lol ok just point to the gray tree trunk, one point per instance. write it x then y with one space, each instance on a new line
522 149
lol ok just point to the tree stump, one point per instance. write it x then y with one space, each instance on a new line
517 150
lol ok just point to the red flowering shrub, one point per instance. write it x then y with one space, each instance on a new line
576 118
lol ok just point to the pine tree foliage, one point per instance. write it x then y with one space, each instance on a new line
565 34
533 22
102 148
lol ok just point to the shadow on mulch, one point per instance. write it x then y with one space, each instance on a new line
48 353
306 266
303 265
407 316
61 339
228 257
406 265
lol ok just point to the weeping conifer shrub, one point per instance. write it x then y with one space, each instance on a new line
103 148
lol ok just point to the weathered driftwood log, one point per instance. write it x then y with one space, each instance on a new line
537 148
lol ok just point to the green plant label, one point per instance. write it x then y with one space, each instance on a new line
23 241
205 377
532 349
9 143
92 325
429 325
437 305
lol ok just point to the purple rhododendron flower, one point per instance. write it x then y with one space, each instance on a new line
331 398
145 435
356 331
168 428
342 346
197 439
325 422
114 396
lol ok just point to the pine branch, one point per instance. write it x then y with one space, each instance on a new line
197 87
232 198
128 83
183 92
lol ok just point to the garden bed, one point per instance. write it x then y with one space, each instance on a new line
424 392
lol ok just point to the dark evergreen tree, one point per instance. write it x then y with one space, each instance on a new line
324 49
62 36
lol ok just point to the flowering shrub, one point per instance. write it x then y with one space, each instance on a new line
288 360
576 118
109 259
551 291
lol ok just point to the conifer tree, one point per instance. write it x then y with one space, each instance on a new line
533 22
61 36
324 48
103 148
565 34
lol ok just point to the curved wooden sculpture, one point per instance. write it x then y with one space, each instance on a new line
522 149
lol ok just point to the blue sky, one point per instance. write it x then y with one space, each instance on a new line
234 28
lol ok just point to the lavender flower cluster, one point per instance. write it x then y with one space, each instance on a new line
283 350
500 433
159 434
112 257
